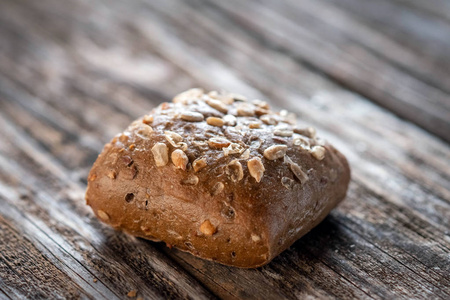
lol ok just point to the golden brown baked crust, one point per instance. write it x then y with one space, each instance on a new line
221 177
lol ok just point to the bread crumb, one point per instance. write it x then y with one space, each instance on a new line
255 238
95 280
112 174
132 294
207 228
103 215
147 119
92 177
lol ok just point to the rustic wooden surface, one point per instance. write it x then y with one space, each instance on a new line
372 76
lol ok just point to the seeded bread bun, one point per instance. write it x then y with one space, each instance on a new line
221 177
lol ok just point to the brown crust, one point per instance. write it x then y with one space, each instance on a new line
215 208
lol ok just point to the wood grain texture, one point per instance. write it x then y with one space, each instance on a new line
359 66
74 74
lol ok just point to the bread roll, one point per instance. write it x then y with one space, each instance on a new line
218 176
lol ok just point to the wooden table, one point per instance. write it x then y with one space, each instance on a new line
373 76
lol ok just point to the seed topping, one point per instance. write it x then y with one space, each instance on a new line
296 169
275 152
218 142
235 171
191 116
199 164
218 105
179 159
256 168
213 121
160 154
318 152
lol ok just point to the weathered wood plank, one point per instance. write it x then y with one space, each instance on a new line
18 118
357 69
4 295
408 23
435 8
19 255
